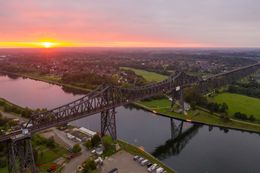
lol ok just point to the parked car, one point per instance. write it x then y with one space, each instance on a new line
140 159
159 170
144 162
149 164
115 170
136 157
152 168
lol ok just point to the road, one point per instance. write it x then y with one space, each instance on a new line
72 166
62 136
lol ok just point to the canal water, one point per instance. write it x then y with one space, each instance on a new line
190 149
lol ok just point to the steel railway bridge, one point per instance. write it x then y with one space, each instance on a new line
104 100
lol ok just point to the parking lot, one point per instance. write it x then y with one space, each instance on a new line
124 162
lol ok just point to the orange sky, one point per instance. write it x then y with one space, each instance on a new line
93 44
135 23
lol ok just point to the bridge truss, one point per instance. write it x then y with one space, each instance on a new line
104 100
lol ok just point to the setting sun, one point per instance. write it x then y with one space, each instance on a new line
47 44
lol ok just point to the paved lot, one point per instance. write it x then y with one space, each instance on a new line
73 164
124 162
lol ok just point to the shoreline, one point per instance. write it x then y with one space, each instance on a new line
198 122
135 150
42 79
144 107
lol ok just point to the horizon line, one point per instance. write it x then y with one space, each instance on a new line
137 47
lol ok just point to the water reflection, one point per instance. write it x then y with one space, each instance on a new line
179 139
34 94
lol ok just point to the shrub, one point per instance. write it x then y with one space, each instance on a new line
242 116
76 148
3 162
50 143
108 144
251 118
95 140
89 166
88 144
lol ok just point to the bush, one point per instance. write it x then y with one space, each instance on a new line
89 166
88 144
3 162
251 118
242 116
95 140
215 107
76 148
26 113
50 143
109 146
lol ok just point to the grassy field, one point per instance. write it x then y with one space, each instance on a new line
46 154
162 106
4 170
240 103
149 76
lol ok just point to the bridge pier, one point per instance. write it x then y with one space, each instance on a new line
108 123
178 94
182 101
20 155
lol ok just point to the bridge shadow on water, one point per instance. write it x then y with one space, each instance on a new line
179 139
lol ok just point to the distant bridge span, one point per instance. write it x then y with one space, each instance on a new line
105 99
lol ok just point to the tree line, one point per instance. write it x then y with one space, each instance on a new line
251 89
195 98
243 116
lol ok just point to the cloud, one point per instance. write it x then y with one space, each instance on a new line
205 22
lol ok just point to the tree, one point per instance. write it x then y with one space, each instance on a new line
89 166
107 142
251 118
223 107
194 96
50 143
88 144
95 140
76 148
3 162
26 113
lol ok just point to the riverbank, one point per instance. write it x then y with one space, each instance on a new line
198 116
48 79
132 149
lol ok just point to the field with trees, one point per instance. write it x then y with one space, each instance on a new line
240 103
148 76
